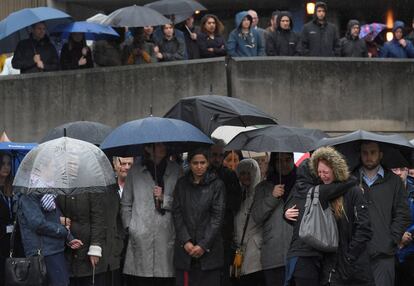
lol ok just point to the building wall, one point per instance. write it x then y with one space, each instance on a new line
9 6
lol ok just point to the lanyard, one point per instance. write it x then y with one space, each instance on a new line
8 202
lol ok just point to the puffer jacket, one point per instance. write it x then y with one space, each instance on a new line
198 217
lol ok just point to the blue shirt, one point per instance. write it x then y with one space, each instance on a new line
370 181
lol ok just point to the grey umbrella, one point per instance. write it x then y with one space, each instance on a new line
396 148
135 16
277 138
64 166
176 7
89 131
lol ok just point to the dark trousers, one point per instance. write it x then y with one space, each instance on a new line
148 281
88 281
274 276
383 270
253 279
113 278
404 275
198 277
57 270
307 271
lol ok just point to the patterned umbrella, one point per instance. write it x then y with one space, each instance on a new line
370 31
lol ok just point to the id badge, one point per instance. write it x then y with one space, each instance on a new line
9 228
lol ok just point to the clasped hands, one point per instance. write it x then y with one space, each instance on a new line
195 251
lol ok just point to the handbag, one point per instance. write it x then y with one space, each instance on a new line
24 271
318 227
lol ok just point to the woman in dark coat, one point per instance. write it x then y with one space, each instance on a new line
76 54
199 206
210 40
350 264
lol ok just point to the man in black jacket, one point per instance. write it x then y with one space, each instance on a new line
319 38
351 45
36 54
388 210
283 41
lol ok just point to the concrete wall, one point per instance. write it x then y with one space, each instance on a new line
335 95
33 104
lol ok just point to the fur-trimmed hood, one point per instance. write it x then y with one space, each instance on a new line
334 159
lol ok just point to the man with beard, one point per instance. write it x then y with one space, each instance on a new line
388 210
319 38
233 201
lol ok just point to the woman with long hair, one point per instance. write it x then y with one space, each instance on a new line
349 265
75 53
199 207
210 40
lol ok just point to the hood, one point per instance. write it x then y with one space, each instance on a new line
334 159
320 4
351 23
239 18
398 25
279 17
251 166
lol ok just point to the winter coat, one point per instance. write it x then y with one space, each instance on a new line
87 214
193 51
69 58
114 231
198 217
205 42
252 242
242 44
107 53
146 49
158 36
409 249
40 229
268 212
282 42
388 211
151 235
319 40
353 47
393 49
6 218
171 50
350 264
26 50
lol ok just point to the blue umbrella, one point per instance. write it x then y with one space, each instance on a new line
128 139
92 31
17 151
15 27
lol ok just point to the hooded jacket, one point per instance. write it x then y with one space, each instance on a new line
394 49
350 264
252 241
409 249
353 46
198 212
25 51
319 39
282 42
242 44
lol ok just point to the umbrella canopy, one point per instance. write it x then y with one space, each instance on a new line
16 26
135 16
128 139
92 31
64 166
277 138
98 18
396 148
89 131
370 31
17 151
181 9
207 112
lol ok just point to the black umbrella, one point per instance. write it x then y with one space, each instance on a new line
207 112
89 131
176 7
135 16
277 138
396 148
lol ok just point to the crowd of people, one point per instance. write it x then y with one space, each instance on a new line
318 38
213 218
